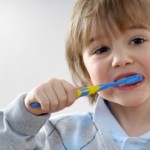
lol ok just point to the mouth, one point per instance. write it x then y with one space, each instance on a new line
120 77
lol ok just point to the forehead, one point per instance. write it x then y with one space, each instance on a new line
107 18
109 29
112 30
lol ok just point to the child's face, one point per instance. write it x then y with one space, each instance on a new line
121 55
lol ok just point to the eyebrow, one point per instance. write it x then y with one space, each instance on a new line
95 38
92 39
136 27
133 27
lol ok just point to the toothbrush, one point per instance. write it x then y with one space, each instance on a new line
90 90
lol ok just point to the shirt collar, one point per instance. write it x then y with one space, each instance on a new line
104 119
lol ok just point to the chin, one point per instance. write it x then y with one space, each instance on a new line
132 103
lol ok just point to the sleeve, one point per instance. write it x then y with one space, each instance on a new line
19 129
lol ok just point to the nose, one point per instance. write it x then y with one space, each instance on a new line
121 60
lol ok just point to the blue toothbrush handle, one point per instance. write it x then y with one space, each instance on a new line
93 89
35 105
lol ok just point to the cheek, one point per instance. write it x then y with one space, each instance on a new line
97 72
143 58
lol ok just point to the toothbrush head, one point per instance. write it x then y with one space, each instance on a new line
132 79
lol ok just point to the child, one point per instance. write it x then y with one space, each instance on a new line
107 41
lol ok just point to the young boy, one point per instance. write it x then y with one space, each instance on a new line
107 41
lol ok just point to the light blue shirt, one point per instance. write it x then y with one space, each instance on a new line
105 120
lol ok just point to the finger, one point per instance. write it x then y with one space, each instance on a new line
43 99
52 95
61 95
71 93
34 97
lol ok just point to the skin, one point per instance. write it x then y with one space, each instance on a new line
120 55
53 95
106 59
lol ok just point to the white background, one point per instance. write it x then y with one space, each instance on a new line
32 47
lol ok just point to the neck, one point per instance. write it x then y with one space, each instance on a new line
134 120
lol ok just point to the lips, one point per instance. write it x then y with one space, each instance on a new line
124 76
130 86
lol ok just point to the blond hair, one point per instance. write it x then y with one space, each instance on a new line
96 14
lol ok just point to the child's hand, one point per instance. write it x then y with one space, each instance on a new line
53 95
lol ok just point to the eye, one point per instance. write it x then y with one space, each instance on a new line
101 50
137 41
